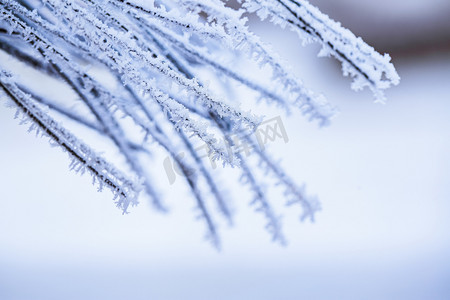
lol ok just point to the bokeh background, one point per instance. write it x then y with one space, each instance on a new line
382 173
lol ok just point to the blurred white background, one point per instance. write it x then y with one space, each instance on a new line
380 171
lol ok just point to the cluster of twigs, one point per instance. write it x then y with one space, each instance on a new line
157 51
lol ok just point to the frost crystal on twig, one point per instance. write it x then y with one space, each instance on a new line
162 53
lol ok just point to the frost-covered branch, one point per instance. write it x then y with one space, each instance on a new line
172 68
83 158
361 61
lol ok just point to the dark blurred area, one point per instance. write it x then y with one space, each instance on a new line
401 28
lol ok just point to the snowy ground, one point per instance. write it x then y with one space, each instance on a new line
381 172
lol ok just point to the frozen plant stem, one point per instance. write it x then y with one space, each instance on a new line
159 52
